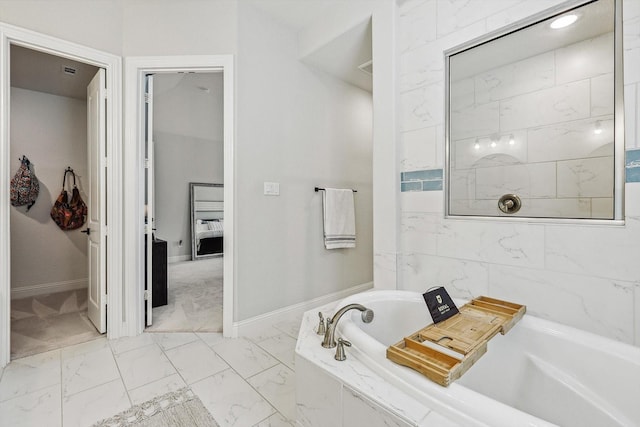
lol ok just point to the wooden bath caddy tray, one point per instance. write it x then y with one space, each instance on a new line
466 333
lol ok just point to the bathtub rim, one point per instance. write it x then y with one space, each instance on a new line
572 334
404 378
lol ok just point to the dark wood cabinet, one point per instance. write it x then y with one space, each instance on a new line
159 273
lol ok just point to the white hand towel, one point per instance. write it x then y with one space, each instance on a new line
339 218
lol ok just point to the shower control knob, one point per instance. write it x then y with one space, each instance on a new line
509 203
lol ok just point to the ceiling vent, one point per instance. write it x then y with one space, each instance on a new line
366 67
70 71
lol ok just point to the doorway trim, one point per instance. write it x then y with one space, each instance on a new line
135 69
12 35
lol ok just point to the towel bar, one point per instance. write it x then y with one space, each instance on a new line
316 189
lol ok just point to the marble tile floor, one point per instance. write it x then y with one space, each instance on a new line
46 322
243 382
194 298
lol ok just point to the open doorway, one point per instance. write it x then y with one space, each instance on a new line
137 232
184 200
57 276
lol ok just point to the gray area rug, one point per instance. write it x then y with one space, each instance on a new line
180 408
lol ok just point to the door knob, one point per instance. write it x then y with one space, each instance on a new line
87 231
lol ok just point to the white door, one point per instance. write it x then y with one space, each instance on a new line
96 230
149 207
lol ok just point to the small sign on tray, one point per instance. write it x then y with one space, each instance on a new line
440 304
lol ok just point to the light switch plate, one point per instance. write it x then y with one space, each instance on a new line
271 188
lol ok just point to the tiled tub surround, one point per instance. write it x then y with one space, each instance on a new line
586 276
330 393
529 128
560 366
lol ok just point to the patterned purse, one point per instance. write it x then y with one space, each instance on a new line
24 187
69 214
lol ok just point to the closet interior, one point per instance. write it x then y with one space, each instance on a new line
49 265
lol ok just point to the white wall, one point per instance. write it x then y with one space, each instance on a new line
342 16
188 104
97 23
188 148
131 27
186 27
301 128
151 27
52 132
582 275
180 160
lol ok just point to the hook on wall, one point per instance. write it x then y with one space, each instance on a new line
25 159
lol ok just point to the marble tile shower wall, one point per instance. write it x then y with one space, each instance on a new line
587 276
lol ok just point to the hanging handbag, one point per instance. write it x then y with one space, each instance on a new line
24 187
69 214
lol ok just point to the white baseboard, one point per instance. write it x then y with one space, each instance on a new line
48 288
246 326
178 258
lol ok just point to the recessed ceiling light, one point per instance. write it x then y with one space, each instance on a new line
564 21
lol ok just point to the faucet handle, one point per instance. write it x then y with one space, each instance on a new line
340 353
321 326
328 340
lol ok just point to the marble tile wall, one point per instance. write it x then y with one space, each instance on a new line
583 275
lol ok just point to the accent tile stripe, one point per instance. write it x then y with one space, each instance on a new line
411 186
632 166
422 180
432 185
422 175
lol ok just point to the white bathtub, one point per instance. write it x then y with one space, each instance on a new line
539 374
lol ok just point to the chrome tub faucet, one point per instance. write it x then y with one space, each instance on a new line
329 336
